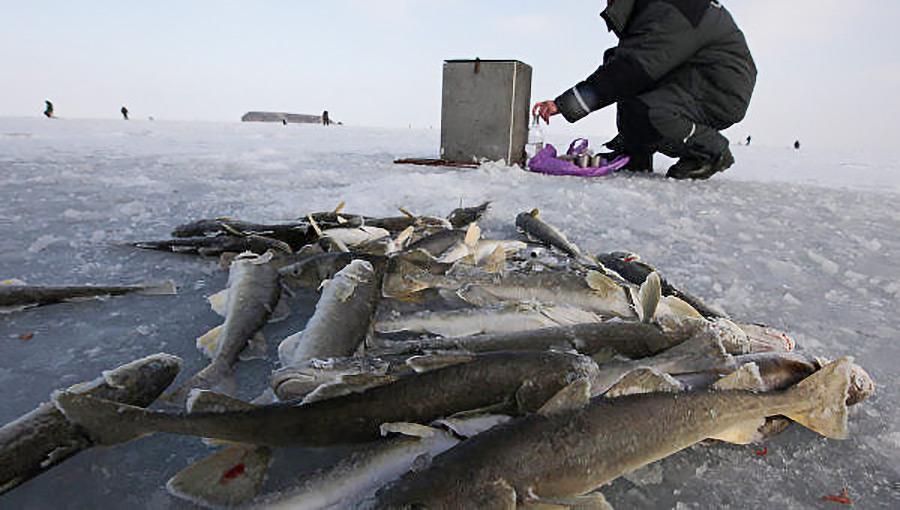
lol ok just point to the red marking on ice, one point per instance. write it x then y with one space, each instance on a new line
842 498
232 473
26 336
762 451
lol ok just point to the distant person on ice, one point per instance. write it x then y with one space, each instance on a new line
325 120
48 110
681 73
124 112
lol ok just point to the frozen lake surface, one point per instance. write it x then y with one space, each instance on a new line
806 241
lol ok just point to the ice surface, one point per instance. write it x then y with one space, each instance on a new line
801 240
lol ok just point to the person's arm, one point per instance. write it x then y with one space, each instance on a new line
659 39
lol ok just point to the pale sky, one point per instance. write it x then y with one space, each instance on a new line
829 70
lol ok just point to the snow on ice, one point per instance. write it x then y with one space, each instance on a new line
801 240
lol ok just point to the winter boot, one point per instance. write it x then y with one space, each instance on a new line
693 168
639 163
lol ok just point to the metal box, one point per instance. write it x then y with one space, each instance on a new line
484 110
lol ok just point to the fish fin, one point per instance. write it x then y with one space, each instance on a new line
496 495
679 308
566 315
774 425
477 295
574 396
164 288
219 302
208 343
698 352
105 422
602 284
746 378
644 380
314 225
408 429
210 401
228 477
473 234
469 426
742 433
496 262
350 383
255 349
823 399
649 296
429 362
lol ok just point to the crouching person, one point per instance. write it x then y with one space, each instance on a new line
681 73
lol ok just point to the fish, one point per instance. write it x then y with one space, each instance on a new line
624 338
317 378
534 227
517 382
503 318
215 246
779 370
594 291
309 271
295 234
253 292
352 237
437 243
342 318
463 216
44 437
355 477
423 225
16 295
229 476
574 444
630 267
410 272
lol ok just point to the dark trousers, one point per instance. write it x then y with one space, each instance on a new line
669 120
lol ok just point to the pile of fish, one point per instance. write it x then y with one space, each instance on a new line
471 372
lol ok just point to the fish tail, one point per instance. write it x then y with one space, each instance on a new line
826 393
105 422
228 477
165 288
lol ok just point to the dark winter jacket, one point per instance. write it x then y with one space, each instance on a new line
694 43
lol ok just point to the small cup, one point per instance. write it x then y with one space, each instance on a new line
582 160
596 160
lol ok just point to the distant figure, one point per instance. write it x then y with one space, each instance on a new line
48 111
124 112
325 120
797 145
748 139
284 122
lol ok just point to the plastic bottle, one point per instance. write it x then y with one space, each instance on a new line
535 138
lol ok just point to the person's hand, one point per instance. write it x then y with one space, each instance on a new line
545 110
